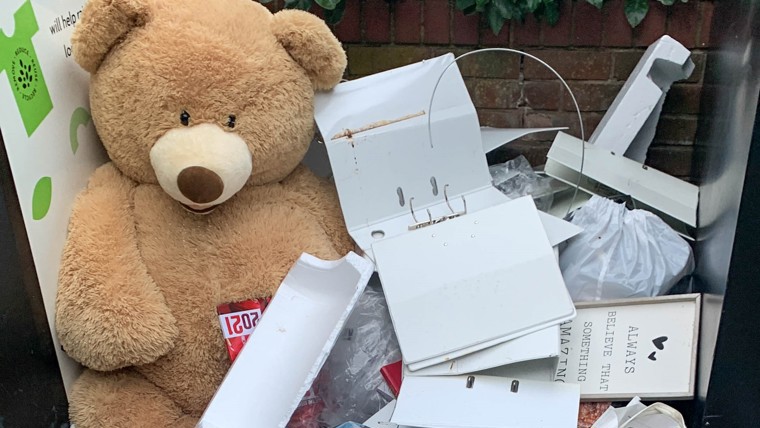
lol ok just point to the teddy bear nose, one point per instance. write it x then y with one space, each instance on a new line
200 185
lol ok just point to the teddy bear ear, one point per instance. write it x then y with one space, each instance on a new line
104 23
312 45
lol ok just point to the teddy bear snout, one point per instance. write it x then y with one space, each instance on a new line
201 166
200 185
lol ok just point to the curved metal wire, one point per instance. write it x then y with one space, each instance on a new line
572 96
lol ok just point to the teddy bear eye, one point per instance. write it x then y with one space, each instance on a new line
184 117
231 121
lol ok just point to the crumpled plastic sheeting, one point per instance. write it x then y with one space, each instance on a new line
622 253
516 178
350 384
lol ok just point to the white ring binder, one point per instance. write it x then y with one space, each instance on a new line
477 256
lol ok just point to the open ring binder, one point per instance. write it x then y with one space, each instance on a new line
475 257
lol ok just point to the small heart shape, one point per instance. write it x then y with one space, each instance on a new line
651 356
659 342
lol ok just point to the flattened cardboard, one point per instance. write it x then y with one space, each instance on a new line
49 137
301 323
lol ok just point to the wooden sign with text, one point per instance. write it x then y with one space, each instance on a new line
620 349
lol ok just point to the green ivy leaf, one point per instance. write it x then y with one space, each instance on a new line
636 11
551 11
480 5
597 3
500 7
668 2
465 4
507 9
298 4
334 16
532 5
327 4
470 10
495 19
265 1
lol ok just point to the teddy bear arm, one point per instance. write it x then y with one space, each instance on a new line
320 197
109 312
123 399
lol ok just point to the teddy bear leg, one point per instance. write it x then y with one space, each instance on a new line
123 399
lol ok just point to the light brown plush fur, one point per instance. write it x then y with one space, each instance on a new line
141 276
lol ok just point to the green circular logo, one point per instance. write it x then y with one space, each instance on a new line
25 74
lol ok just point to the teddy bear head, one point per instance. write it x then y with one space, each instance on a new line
204 97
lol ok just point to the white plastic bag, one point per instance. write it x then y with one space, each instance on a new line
637 415
622 253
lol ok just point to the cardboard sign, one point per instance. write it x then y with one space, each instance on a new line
47 131
620 349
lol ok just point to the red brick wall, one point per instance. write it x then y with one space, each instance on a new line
593 50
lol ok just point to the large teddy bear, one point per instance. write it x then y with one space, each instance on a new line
206 110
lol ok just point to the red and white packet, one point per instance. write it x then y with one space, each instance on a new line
238 320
